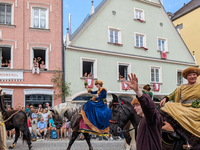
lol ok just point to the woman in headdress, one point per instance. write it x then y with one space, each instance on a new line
183 114
95 112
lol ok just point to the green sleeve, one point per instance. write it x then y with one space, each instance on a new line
150 93
171 96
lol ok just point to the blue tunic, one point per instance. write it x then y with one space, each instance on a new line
97 112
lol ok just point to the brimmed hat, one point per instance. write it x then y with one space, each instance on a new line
98 82
135 101
47 103
190 70
31 106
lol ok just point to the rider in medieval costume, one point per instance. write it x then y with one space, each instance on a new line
2 125
95 112
181 115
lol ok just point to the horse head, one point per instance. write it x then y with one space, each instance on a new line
122 112
58 121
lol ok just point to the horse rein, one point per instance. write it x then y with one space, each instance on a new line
119 129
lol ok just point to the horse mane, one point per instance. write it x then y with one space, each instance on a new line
63 107
7 114
124 99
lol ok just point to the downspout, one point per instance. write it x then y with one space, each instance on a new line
63 49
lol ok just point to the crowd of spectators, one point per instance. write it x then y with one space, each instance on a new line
40 123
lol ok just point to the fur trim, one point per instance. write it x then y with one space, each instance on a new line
106 130
98 82
99 91
135 101
89 90
190 70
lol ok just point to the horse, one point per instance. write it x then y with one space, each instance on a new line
72 112
17 120
123 111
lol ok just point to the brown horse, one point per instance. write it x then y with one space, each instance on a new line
18 122
72 111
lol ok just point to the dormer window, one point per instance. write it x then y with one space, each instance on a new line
139 15
114 36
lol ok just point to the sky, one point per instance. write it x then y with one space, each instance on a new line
79 10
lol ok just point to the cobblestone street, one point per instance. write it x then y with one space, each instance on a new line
62 145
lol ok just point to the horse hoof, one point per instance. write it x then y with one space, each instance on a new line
10 147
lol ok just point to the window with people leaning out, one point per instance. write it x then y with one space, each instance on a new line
88 69
39 61
123 72
5 53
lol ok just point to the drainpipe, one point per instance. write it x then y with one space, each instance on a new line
63 49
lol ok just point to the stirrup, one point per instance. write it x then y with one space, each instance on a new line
187 146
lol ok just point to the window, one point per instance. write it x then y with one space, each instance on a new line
5 14
114 36
123 70
8 100
36 99
162 44
88 67
39 18
139 14
40 55
5 54
139 41
179 78
156 74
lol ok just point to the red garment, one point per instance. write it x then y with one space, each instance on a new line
29 123
149 136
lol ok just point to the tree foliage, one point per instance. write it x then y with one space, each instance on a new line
63 86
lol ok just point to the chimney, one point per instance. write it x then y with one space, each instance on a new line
170 15
67 41
183 4
92 10
194 57
69 25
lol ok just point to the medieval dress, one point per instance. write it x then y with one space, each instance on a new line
95 112
149 135
181 115
2 126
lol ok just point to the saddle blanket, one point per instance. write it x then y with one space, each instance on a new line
84 128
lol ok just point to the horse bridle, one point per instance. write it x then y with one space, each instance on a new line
119 129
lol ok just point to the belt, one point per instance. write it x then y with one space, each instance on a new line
187 102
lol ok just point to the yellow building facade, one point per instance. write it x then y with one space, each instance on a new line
187 22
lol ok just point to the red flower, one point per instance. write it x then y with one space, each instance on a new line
3 117
122 102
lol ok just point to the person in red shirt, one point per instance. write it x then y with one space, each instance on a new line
29 124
